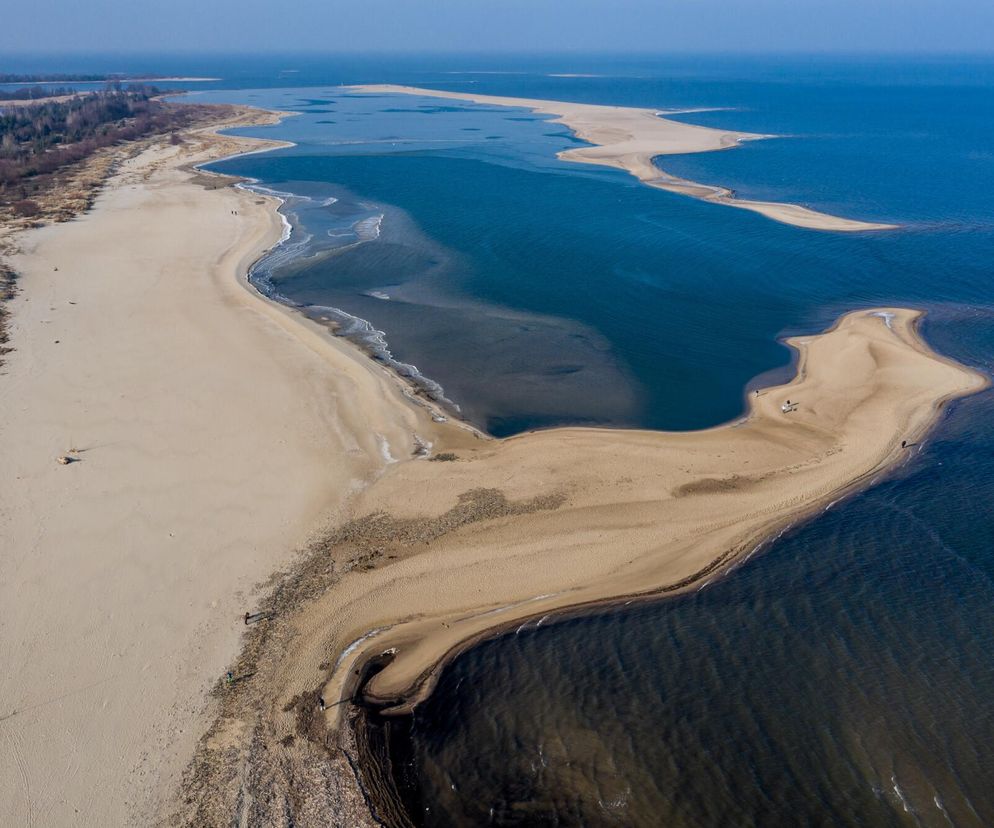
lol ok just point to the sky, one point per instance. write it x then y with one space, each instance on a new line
461 26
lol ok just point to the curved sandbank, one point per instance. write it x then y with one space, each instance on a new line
629 138
641 513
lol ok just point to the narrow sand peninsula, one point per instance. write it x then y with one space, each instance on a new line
628 138
215 434
641 512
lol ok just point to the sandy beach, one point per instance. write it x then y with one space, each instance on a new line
222 438
215 435
629 138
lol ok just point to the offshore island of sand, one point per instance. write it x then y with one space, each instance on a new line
224 437
629 138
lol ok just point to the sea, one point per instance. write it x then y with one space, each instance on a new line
845 676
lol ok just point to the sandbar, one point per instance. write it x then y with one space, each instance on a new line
629 138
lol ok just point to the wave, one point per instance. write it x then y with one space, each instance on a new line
294 245
374 341
368 229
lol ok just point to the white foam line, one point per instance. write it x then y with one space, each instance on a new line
375 340
385 449
352 647
942 808
368 229
516 604
349 325
900 795
887 316
755 549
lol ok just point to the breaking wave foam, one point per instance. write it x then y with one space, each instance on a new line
294 245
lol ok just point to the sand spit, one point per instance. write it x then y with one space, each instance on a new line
642 512
524 530
628 138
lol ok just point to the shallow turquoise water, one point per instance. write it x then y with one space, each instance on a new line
843 677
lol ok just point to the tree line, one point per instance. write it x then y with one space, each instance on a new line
33 93
10 77
36 140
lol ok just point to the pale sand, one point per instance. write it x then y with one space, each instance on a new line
219 431
628 138
216 433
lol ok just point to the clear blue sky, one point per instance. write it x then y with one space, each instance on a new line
496 25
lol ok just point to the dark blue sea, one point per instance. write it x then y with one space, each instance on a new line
846 677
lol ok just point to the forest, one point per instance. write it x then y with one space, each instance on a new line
10 77
34 93
38 139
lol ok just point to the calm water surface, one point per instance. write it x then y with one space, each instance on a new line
845 676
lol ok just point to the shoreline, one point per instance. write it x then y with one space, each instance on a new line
419 389
631 138
428 555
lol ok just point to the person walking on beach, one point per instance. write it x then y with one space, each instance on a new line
247 616
321 703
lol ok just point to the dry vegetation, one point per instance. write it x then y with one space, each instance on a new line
39 140
6 293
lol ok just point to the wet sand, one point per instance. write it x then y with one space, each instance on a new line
629 138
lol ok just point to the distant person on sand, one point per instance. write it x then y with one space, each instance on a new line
247 616
321 702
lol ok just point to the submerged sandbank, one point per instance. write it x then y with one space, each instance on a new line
629 138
